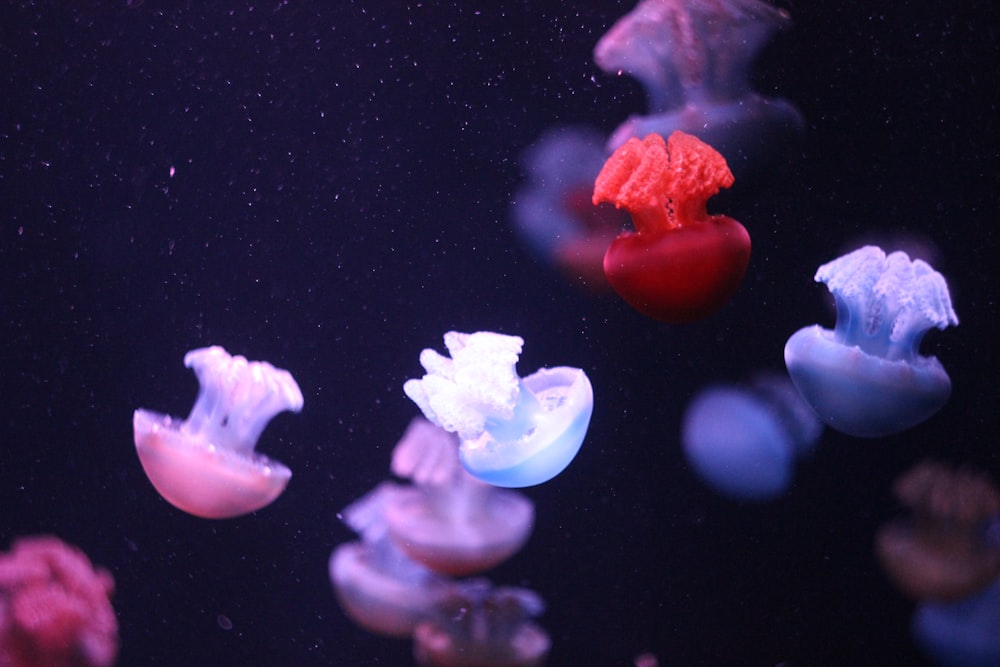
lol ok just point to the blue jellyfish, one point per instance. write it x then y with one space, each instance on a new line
743 441
961 634
514 431
693 58
866 377
206 465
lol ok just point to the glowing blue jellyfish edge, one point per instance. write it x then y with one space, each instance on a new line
515 432
866 377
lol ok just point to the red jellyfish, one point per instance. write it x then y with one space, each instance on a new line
681 264
55 609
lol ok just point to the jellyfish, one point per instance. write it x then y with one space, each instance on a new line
942 551
743 441
206 465
681 264
378 586
552 210
867 378
965 633
55 608
449 521
693 58
514 431
474 624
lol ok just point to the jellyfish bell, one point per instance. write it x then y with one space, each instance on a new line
447 520
963 633
866 377
377 585
514 432
943 550
473 624
206 465
743 441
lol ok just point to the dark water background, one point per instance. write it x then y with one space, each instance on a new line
342 173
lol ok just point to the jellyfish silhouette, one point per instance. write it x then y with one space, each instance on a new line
206 464
448 520
941 551
681 264
55 609
866 377
552 210
743 441
378 586
961 634
693 58
474 624
514 431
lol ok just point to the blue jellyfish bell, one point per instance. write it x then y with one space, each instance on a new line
866 377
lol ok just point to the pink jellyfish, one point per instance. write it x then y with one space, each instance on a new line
54 607
448 520
378 586
206 465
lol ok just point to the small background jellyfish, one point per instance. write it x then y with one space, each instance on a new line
552 210
55 608
743 441
866 377
693 58
206 465
514 431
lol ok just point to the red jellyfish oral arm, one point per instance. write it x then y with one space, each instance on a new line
681 264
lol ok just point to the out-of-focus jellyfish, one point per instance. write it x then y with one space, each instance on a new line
378 586
681 264
743 441
961 634
866 377
693 58
514 431
476 625
449 521
55 608
552 210
942 551
206 464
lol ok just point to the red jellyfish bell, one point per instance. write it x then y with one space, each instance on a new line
681 264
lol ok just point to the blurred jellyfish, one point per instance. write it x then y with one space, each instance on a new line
449 521
866 377
377 585
743 441
552 211
476 625
206 465
942 551
514 431
961 634
55 609
693 58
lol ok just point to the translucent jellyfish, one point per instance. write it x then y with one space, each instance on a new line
961 634
206 464
514 431
476 625
866 377
942 551
449 521
552 211
743 441
693 58
55 608
681 264
377 585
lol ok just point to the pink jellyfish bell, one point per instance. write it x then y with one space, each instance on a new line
448 520
206 464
